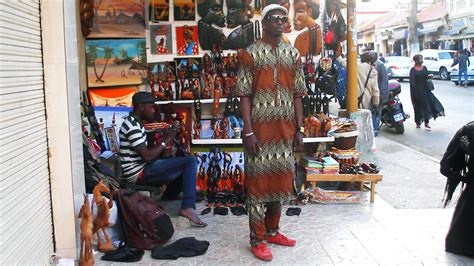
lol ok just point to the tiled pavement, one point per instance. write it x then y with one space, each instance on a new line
337 234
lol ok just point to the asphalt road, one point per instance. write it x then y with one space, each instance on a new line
458 103
410 162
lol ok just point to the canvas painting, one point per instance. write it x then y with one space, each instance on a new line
113 62
159 10
184 10
187 40
114 96
118 19
111 117
191 66
161 39
166 70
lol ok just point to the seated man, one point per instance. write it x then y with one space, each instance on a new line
142 165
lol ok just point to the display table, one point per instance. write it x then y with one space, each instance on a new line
372 178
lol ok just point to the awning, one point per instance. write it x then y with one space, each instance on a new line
400 34
426 31
454 31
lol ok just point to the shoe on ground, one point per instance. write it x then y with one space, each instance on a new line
282 240
418 126
427 126
262 252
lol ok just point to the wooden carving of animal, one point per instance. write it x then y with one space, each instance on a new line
86 257
102 219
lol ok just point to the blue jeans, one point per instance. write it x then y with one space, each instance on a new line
165 171
376 117
462 71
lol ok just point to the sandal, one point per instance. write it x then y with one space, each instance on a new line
195 223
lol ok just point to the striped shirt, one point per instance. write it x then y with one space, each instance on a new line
132 136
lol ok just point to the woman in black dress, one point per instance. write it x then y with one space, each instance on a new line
425 104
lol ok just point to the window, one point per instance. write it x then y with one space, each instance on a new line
444 55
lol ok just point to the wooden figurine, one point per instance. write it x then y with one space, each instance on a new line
224 128
197 130
312 126
103 213
208 86
217 130
86 257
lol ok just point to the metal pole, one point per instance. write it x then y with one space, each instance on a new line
352 93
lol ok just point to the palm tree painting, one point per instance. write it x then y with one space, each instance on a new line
112 62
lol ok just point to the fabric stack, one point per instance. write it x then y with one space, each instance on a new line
324 165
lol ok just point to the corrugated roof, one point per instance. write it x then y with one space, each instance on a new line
432 12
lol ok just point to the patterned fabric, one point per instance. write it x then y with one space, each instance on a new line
132 136
265 220
272 77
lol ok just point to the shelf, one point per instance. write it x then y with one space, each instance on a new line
239 141
343 177
203 101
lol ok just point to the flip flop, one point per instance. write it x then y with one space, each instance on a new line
194 223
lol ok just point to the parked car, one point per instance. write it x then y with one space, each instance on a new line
398 67
470 72
438 61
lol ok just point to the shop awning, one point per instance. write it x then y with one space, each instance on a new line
426 31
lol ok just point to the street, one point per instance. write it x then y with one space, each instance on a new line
410 162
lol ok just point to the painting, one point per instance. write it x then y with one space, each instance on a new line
113 62
114 146
166 70
161 39
191 66
184 10
159 10
111 117
186 40
112 96
118 19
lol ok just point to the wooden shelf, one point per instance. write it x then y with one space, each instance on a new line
239 141
203 101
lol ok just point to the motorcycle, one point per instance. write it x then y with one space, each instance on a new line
393 115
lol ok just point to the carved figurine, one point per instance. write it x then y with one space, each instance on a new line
309 41
208 87
239 13
312 126
206 64
217 130
103 212
197 130
86 256
211 12
224 128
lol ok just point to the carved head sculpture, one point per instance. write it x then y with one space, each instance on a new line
239 12
283 3
211 12
306 11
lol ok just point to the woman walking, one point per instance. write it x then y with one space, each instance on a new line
425 104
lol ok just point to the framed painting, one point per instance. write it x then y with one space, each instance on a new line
114 146
111 117
114 62
159 10
118 19
161 39
114 97
184 10
187 40
191 66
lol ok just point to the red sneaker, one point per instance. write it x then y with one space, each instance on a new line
262 252
280 239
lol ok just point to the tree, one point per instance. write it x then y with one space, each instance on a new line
97 4
123 54
108 53
142 53
92 51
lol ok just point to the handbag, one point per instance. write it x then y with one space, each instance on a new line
361 97
429 85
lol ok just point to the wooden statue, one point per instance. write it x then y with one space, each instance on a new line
197 130
86 257
224 128
309 41
103 213
312 126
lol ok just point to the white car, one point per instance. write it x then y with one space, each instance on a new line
470 72
398 67
438 61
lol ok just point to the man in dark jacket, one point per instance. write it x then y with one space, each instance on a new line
382 81
463 61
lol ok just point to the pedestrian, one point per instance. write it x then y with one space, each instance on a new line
425 104
382 82
463 62
144 166
381 58
270 85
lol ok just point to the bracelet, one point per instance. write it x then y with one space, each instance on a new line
248 134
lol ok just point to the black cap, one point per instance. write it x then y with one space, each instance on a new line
142 97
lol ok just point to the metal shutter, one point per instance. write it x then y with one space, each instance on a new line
26 234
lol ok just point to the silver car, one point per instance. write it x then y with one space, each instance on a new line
470 72
398 67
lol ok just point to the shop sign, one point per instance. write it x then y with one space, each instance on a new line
458 23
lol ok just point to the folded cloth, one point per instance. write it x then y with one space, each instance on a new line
238 210
124 253
292 211
221 211
184 247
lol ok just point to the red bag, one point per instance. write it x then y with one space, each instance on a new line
145 223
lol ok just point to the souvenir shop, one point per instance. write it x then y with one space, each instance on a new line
185 53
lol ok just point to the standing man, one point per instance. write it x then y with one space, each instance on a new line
463 61
270 85
143 165
382 82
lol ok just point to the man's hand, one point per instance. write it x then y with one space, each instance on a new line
298 142
170 134
430 76
251 145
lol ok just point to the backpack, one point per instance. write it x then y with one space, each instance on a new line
145 223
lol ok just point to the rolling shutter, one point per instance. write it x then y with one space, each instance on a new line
26 233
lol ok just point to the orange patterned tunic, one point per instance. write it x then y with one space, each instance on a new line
272 77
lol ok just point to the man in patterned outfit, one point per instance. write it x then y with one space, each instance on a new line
270 85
